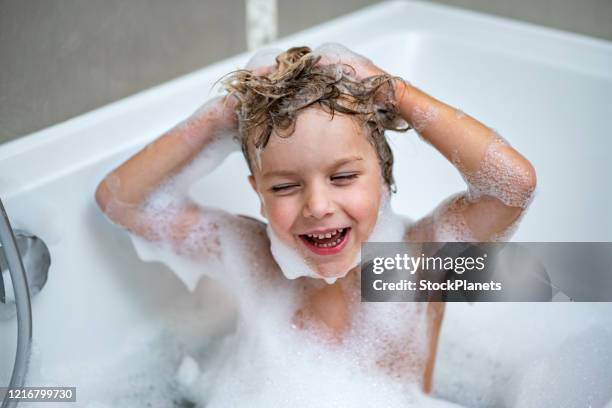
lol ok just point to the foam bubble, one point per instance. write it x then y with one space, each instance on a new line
188 372
421 118
501 177
449 223
581 364
348 62
271 363
263 59
538 355
445 223
292 263
214 117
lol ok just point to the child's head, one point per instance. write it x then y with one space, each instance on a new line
313 138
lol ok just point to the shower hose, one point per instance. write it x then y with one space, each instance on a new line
22 302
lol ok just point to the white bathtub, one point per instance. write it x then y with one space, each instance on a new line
547 92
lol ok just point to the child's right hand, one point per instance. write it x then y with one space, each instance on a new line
225 110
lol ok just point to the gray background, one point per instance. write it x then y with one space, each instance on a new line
61 58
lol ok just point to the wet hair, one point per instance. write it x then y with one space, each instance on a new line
272 101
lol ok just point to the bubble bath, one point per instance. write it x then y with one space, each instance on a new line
270 361
271 358
278 354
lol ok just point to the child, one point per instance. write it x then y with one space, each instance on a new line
311 126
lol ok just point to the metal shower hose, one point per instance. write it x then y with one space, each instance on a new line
22 302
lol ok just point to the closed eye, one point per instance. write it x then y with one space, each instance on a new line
283 187
344 177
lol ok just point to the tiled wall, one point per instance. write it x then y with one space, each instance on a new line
61 58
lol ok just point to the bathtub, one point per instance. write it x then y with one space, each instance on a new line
546 91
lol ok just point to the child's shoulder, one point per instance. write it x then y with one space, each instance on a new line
252 226
251 232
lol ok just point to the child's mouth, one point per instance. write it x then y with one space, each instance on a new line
327 244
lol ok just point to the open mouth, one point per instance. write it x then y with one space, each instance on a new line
328 243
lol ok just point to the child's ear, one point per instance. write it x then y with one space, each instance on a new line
253 184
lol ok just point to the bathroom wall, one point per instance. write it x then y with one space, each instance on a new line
589 17
61 58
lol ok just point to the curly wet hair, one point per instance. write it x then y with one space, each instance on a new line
272 101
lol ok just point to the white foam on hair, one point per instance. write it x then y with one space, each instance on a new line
263 58
337 54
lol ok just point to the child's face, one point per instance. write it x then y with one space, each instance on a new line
324 179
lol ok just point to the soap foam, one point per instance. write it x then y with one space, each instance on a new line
269 361
263 59
213 116
345 60
525 355
500 177
449 223
422 118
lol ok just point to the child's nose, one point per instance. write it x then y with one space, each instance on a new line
318 203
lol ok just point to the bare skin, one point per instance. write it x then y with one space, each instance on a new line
316 198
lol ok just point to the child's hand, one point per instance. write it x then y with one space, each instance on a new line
354 65
263 62
223 109
225 113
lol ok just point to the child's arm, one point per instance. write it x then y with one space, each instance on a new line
124 194
500 180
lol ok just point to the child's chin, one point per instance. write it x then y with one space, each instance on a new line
334 270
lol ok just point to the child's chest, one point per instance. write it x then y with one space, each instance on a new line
393 336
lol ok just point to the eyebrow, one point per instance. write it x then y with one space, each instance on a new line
336 164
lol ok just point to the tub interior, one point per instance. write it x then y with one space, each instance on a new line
106 314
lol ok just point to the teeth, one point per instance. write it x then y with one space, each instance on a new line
329 245
327 235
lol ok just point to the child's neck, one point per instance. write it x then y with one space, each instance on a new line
330 304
